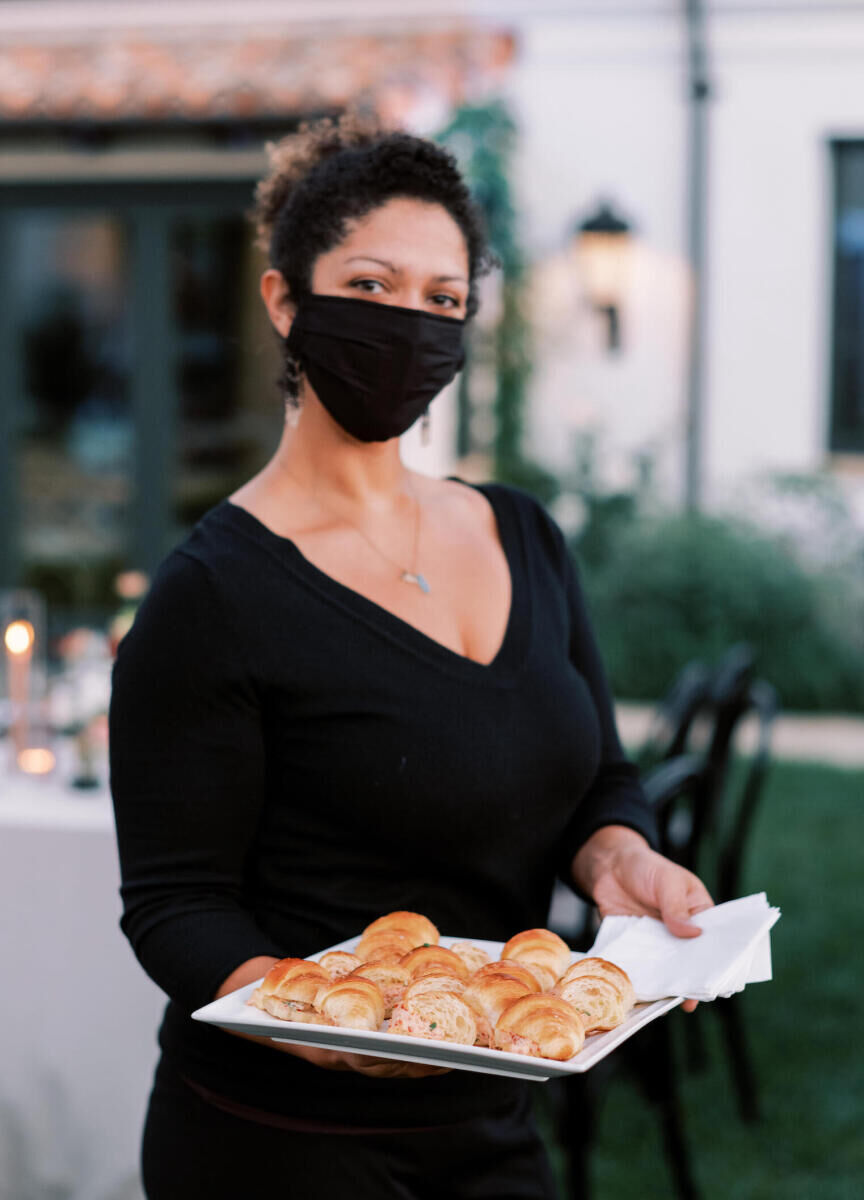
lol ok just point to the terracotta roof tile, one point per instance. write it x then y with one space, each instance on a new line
137 76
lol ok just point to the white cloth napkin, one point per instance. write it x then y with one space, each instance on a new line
733 949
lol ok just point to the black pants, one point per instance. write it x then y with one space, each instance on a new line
195 1151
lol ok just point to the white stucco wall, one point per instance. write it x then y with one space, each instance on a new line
601 106
785 88
600 113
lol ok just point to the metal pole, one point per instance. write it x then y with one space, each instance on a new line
699 94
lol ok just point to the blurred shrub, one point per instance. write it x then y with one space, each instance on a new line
665 590
530 476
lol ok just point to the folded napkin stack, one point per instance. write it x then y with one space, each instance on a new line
733 949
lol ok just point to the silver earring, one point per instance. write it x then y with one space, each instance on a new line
425 428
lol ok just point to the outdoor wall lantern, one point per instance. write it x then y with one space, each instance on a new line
602 245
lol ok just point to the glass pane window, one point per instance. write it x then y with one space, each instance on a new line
226 361
140 379
69 273
847 402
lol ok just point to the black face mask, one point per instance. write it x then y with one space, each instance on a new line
374 366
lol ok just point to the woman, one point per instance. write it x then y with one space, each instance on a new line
355 689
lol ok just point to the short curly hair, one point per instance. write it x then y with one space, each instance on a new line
332 171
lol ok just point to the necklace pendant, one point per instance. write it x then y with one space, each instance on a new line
412 577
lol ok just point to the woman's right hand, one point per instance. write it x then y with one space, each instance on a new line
364 1064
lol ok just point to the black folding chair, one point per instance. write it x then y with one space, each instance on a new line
703 824
763 703
673 717
670 728
710 831
649 1057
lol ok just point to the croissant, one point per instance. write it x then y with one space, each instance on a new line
489 996
507 966
351 1002
390 977
418 928
338 963
435 983
439 1015
383 945
608 970
425 960
540 946
542 1025
289 990
598 1002
473 956
546 978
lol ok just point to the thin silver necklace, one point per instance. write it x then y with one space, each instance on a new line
405 575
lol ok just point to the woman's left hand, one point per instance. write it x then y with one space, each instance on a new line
623 875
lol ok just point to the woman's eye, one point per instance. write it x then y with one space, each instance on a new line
449 301
367 285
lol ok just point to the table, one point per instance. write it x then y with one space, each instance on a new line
79 1016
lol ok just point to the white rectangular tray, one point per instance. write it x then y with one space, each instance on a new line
232 1012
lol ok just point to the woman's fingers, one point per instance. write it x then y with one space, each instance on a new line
390 1068
680 894
365 1064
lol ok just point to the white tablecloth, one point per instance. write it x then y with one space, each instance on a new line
78 1016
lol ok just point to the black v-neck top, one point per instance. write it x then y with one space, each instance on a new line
290 760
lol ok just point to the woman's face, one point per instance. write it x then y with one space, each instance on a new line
407 252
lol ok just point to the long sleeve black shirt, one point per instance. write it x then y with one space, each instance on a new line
289 760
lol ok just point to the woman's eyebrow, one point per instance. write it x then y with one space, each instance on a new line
398 270
369 258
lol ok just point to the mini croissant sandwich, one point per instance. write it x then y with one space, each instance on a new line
473 956
515 970
608 970
435 983
417 928
545 976
384 945
438 1015
540 946
429 960
599 1003
489 996
289 989
339 962
390 977
541 1025
352 1002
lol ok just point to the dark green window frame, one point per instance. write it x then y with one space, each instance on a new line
846 417
149 208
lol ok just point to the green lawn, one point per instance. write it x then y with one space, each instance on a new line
806 1027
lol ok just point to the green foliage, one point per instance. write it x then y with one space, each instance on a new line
531 477
667 590
483 137
607 518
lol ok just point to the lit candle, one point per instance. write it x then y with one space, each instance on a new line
37 760
19 639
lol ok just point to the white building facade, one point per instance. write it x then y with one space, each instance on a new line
601 95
